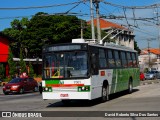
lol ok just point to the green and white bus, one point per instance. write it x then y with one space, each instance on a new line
87 71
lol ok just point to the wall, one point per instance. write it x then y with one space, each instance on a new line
4 49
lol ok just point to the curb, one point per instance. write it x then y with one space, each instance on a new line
147 82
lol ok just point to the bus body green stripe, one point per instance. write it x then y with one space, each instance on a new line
52 81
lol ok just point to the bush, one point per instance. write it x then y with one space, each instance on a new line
146 70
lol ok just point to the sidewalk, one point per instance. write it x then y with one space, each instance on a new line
145 82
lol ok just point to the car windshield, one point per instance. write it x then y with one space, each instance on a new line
65 65
16 80
151 72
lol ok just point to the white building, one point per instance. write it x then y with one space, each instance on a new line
122 35
149 59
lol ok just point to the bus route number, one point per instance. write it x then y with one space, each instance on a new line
77 82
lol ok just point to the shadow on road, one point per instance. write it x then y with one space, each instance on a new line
88 103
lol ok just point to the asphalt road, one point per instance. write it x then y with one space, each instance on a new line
145 97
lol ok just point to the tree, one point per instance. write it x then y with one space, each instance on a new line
136 47
2 71
22 63
31 71
42 29
12 64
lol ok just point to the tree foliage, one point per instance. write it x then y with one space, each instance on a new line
136 47
12 64
22 64
2 70
40 30
31 70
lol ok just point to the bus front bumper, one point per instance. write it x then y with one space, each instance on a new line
67 95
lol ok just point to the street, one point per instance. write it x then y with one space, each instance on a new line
145 97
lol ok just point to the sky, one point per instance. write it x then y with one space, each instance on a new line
143 30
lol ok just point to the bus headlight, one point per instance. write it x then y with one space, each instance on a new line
47 89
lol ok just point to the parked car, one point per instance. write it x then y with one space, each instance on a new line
142 77
20 85
152 75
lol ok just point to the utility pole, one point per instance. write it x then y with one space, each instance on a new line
98 22
149 59
92 20
81 30
148 55
158 24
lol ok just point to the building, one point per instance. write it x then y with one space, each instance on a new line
4 51
149 58
123 36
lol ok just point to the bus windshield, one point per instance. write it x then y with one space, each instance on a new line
65 65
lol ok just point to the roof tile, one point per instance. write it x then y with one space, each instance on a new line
106 24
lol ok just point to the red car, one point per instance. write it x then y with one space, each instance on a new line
142 77
20 85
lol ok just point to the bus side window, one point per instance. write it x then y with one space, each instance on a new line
130 63
94 64
134 60
117 58
102 59
111 59
123 58
137 62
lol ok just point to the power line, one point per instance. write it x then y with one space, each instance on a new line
64 13
133 7
37 7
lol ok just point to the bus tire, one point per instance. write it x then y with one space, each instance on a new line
105 93
130 87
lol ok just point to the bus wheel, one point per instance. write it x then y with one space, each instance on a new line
105 93
130 87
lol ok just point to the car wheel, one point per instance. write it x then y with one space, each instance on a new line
21 91
35 89
5 93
